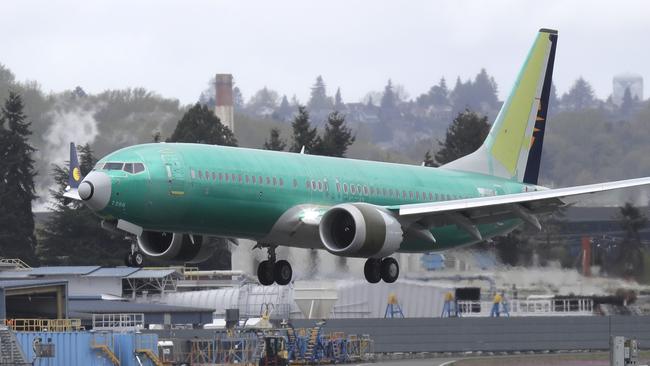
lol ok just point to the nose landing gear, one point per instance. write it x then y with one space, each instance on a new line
134 258
270 270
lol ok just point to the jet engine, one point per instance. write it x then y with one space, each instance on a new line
360 230
175 246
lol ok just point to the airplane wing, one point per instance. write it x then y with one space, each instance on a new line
467 213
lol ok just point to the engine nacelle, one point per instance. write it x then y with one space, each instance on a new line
360 230
174 246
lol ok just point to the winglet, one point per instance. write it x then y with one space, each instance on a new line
74 175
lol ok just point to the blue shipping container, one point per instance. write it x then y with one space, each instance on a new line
75 348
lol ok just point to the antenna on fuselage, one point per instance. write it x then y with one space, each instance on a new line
302 150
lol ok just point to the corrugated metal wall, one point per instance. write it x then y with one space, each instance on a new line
74 348
492 334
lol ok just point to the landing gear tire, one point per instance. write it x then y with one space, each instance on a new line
128 260
389 270
282 272
265 273
372 270
138 259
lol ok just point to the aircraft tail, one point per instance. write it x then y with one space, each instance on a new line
513 148
74 175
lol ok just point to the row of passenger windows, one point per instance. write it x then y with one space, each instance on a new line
393 193
236 178
323 186
127 167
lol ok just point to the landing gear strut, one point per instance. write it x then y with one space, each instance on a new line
134 258
386 269
270 270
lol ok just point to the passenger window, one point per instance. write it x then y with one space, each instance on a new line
313 185
214 176
239 176
281 182
308 185
353 189
326 186
227 175
338 187
365 190
268 180
430 196
275 181
295 183
200 173
220 177
417 195
128 167
411 194
372 191
320 186
247 179
260 180
345 187
253 178
193 173
404 194
233 177
207 174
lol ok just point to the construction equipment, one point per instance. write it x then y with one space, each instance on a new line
275 351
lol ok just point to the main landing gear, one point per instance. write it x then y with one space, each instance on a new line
386 269
270 270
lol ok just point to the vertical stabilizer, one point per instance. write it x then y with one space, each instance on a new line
513 148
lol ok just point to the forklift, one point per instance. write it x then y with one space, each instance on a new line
275 351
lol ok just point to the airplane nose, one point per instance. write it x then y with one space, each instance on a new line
95 190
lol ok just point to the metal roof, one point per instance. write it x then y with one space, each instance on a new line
113 272
30 283
152 273
63 270
104 306
16 274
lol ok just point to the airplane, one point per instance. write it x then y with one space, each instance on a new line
170 196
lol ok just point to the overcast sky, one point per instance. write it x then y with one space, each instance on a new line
174 47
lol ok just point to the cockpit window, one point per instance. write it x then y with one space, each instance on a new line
133 168
113 166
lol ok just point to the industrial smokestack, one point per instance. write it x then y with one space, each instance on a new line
224 105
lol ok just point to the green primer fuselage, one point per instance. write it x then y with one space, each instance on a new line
216 190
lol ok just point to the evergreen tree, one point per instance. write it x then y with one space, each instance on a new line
465 134
630 259
17 192
284 111
73 234
627 104
237 99
200 125
388 111
318 99
428 160
338 101
485 90
437 96
275 142
579 97
303 133
337 137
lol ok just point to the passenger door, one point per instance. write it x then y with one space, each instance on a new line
174 172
